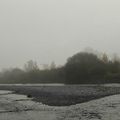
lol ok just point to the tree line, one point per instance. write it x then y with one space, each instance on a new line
81 68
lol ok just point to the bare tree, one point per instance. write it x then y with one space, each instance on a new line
31 65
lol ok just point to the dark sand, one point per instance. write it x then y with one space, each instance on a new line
63 95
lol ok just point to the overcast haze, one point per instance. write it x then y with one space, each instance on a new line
53 30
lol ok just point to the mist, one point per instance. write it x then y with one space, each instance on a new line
52 30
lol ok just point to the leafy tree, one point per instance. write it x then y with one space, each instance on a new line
82 67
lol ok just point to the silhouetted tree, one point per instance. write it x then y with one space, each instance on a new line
82 67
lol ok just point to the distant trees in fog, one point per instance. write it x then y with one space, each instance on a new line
84 67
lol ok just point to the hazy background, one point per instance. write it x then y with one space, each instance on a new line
53 30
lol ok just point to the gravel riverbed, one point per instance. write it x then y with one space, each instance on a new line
63 95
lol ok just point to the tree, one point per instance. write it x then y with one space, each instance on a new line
31 66
82 67
105 58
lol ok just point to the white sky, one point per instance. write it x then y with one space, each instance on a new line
53 30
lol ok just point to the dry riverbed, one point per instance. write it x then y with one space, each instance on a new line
64 95
20 107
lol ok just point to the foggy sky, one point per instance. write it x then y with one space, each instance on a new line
53 30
